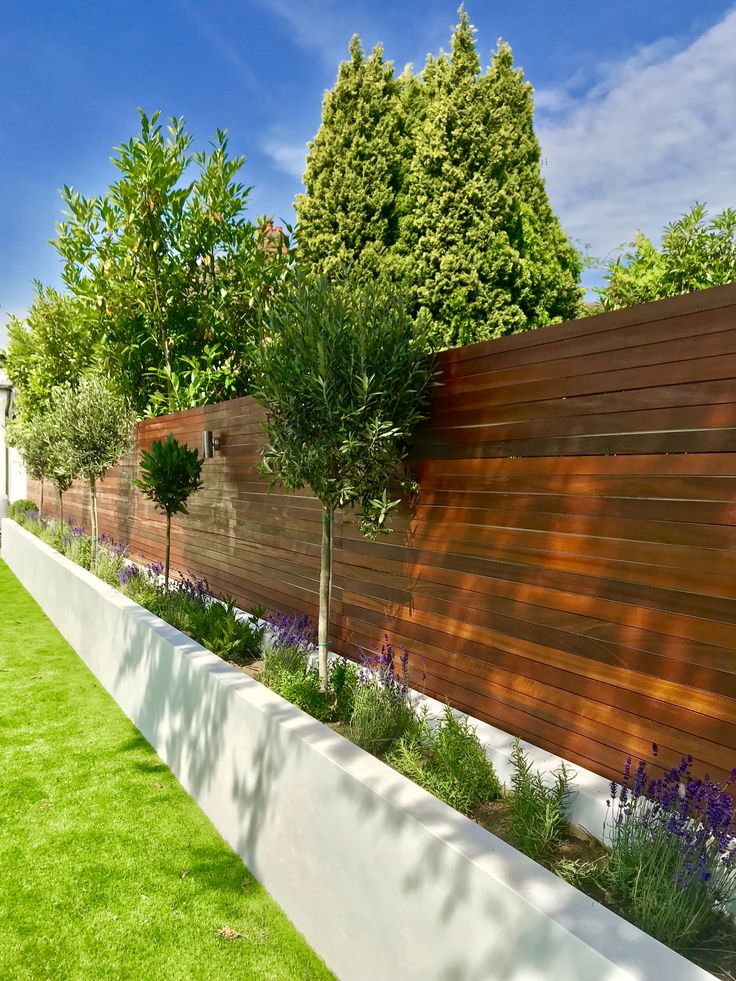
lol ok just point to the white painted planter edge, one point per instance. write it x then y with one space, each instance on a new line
383 880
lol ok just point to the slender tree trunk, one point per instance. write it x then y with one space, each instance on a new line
168 550
325 590
40 506
61 514
93 496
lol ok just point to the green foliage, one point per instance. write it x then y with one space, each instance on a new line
217 626
108 563
381 716
170 268
538 806
436 181
93 428
289 671
448 760
344 378
18 510
169 474
78 548
487 254
54 345
31 436
348 214
94 424
343 682
697 252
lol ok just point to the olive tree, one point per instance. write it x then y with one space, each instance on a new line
343 376
30 434
94 428
170 474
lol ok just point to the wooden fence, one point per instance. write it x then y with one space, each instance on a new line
566 572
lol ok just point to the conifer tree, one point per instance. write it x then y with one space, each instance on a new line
486 253
347 216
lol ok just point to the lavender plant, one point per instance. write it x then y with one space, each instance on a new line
673 850
290 669
382 710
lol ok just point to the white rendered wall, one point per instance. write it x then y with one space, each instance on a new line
385 882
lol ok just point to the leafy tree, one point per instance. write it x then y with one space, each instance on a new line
54 344
343 377
170 474
348 213
486 253
93 428
697 252
171 268
436 181
30 434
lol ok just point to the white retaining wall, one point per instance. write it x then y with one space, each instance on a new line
385 882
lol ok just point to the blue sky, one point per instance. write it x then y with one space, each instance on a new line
636 102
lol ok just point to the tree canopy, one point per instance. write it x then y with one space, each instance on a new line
54 344
171 268
435 180
344 377
696 252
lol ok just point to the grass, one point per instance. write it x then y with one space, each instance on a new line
108 869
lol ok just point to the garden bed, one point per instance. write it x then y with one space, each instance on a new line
383 879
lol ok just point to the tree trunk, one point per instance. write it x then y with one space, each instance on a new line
61 515
93 496
325 591
168 551
40 506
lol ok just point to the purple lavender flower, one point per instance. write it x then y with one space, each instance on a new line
195 589
379 668
127 574
292 630
697 814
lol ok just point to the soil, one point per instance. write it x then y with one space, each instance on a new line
254 669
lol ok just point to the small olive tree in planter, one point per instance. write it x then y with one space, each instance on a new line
94 428
343 374
170 474
30 435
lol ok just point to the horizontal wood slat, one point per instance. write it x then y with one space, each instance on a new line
566 571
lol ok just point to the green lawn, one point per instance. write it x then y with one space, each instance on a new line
107 867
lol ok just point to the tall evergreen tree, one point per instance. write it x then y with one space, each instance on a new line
347 216
436 180
486 253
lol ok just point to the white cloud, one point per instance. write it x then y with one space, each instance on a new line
650 137
291 158
323 26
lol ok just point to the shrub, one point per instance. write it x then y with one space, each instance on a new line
382 710
217 627
673 851
110 559
538 806
170 474
448 761
18 510
288 669
78 546
343 682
